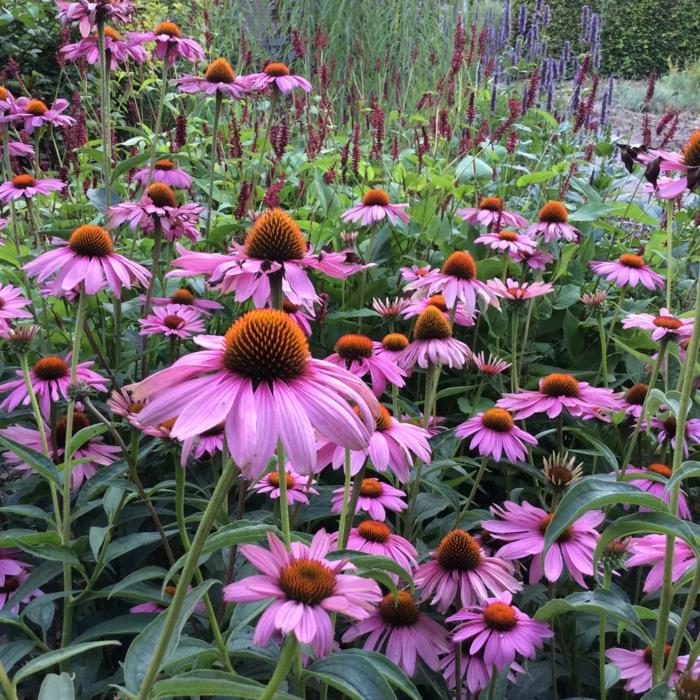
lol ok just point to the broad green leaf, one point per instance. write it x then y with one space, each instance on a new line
597 602
129 163
130 624
85 435
533 178
349 674
38 462
12 653
591 211
470 169
148 573
659 692
127 544
388 669
687 470
219 683
57 687
140 653
592 493
26 511
52 658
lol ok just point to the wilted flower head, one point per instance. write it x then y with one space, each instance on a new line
562 470
595 300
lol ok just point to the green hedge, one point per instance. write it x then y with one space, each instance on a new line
638 35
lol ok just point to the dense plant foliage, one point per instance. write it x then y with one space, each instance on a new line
315 390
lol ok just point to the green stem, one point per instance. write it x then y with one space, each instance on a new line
276 296
688 371
217 115
652 382
157 241
474 489
6 685
159 117
287 656
603 350
514 380
284 503
351 508
682 625
526 334
67 455
217 500
180 504
669 253
618 311
105 112
346 496
601 643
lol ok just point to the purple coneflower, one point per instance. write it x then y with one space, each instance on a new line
415 272
88 12
633 399
509 242
119 49
261 382
306 589
653 479
500 631
459 569
219 78
301 316
390 309
185 297
170 43
376 497
355 352
415 306
278 76
87 258
628 270
375 207
376 537
205 445
519 292
26 186
665 326
404 633
552 224
524 526
651 550
636 667
666 431
36 114
391 347
536 261
491 212
687 161
494 434
490 367
13 573
12 303
557 392
298 486
166 171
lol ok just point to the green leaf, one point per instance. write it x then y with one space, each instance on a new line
52 658
597 602
687 470
96 537
130 624
220 683
128 164
38 462
595 492
470 169
591 211
533 178
141 650
57 687
25 511
148 573
85 435
389 670
127 544
348 673
659 692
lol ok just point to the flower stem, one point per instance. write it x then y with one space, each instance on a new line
346 497
514 382
205 524
263 148
603 349
7 687
688 372
276 296
601 642
475 488
214 145
652 382
157 239
284 502
105 112
159 117
24 363
67 455
287 655
458 671
669 253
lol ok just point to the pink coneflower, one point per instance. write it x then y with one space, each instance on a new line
376 497
457 282
552 224
172 320
536 261
491 212
415 306
508 242
519 292
278 76
25 186
630 270
158 205
185 297
636 667
375 207
306 588
687 161
404 633
13 573
666 431
500 631
376 537
163 602
261 382
36 114
390 309
205 445
88 12
665 326
653 479
219 78
86 459
87 258
276 246
460 569
633 399
475 674
120 403
299 315
50 378
490 367
433 343
170 43
298 486
651 550
119 49
393 445
19 150
557 392
391 347
165 171
495 434
12 303
415 272
355 352
524 526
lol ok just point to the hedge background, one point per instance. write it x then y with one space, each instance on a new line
638 36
